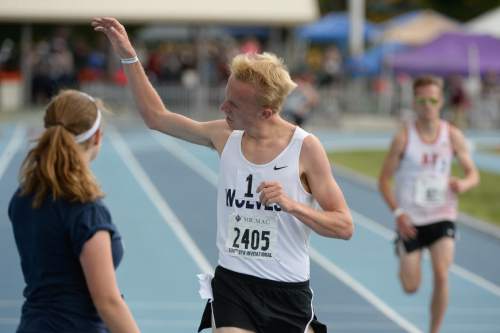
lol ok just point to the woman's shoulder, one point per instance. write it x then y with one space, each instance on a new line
96 209
85 220
13 204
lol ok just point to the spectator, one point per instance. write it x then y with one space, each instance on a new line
459 102
302 99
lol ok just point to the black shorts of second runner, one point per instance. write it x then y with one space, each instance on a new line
427 235
260 305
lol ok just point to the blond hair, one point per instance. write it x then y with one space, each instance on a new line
56 164
268 74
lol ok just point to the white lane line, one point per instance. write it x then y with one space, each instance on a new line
12 147
10 303
166 324
476 279
484 311
9 321
373 226
199 167
156 198
389 234
167 306
456 269
186 157
364 292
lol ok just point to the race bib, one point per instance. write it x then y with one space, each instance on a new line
252 237
431 190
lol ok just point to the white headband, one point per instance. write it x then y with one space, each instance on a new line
88 96
87 134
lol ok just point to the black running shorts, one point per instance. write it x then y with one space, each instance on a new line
260 305
427 235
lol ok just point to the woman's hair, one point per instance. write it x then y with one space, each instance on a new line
267 74
56 164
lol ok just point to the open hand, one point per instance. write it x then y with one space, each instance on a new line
116 34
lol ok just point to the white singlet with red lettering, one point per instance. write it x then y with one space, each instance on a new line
422 179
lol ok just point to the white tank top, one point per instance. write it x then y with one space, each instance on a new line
256 240
421 181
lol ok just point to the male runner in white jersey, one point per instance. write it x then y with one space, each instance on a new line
271 175
424 199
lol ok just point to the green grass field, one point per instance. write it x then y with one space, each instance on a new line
482 202
495 150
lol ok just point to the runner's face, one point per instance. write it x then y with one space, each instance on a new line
428 101
240 106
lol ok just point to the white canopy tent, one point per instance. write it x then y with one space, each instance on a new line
487 23
274 12
423 27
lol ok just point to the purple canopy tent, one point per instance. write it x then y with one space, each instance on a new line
451 53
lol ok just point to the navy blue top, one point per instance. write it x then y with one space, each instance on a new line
49 240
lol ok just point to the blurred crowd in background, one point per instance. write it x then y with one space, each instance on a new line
190 68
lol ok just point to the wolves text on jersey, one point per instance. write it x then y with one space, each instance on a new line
246 203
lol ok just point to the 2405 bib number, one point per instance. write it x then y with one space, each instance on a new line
252 239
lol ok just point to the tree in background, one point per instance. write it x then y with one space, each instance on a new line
462 10
380 10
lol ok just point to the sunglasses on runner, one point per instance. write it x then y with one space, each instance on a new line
431 100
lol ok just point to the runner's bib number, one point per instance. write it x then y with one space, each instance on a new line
431 190
252 237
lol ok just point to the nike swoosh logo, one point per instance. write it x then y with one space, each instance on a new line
279 168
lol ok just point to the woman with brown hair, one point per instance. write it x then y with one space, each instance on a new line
67 243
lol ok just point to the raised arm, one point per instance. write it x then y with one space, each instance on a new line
471 175
153 111
334 219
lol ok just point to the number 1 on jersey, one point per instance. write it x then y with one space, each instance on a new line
249 194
